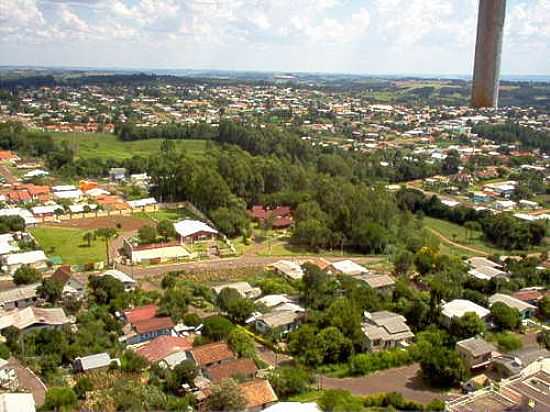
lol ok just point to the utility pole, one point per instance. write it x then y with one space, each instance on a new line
490 28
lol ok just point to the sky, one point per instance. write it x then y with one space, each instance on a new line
338 36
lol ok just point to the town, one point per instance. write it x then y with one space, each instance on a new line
171 243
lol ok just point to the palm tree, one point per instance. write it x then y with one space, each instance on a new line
88 237
106 234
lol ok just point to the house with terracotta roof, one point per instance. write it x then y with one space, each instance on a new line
143 324
212 354
162 347
8 156
258 394
281 216
237 368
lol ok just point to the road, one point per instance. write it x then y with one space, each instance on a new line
405 380
458 245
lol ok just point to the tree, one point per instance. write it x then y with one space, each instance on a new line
174 302
543 338
544 307
51 290
335 346
505 317
339 400
184 373
237 307
106 234
61 399
443 367
132 362
467 326
147 234
345 316
217 327
288 381
25 275
402 262
82 386
226 396
242 344
165 228
88 237
303 343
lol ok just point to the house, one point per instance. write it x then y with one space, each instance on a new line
525 310
8 156
281 216
8 244
272 301
33 318
386 330
381 282
513 362
476 353
144 325
190 231
19 297
49 210
117 173
71 285
162 347
280 321
459 307
142 203
258 394
531 296
505 205
288 269
155 253
24 214
127 281
20 402
293 407
346 267
35 259
93 362
486 272
244 289
212 354
241 368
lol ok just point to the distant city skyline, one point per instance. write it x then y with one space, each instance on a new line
327 36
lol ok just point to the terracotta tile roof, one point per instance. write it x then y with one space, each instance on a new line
6 155
528 295
258 393
243 366
211 353
163 346
141 313
62 274
153 324
19 196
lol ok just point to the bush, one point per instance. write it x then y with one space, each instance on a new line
132 362
217 327
435 406
191 319
26 275
508 342
338 400
82 386
60 399
505 317
392 400
366 363
288 381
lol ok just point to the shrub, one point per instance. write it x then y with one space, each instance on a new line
366 363
508 342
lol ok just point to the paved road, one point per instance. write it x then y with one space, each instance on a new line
405 380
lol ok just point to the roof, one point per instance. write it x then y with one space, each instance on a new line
26 258
528 295
153 324
188 227
477 261
293 407
476 346
273 300
141 313
117 274
23 213
20 402
349 267
279 318
175 358
511 302
377 281
291 269
386 325
486 272
242 287
19 293
99 360
163 346
142 202
459 307
258 393
29 316
210 353
226 370
62 274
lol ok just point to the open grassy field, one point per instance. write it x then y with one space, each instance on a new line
105 145
68 243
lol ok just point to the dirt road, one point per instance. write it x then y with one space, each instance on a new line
458 245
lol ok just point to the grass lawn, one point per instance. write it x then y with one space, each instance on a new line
69 245
105 145
172 215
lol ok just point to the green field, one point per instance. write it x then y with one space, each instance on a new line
107 146
69 245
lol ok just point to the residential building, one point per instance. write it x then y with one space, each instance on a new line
19 297
386 330
459 307
190 231
162 347
212 354
144 325
155 253
244 289
93 362
476 353
346 267
525 310
258 394
513 362
20 402
281 322
242 368
33 318
288 269
35 259
127 281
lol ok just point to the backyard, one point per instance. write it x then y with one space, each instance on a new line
69 244
108 146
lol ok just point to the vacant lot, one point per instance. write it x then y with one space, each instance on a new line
108 146
69 244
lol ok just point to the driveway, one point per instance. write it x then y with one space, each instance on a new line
405 380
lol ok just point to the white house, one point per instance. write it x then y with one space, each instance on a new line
192 230
35 258
347 267
459 307
127 281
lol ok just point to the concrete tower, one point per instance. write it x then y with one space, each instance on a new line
490 26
